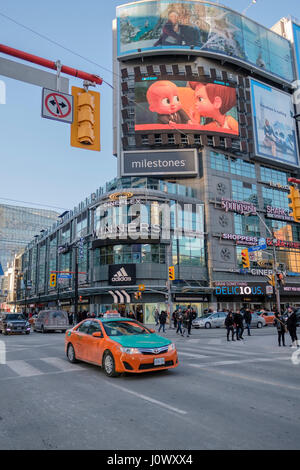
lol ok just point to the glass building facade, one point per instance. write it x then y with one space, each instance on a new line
18 225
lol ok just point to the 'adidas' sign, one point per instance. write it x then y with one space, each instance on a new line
121 276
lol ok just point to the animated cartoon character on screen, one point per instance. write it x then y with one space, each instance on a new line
214 101
163 99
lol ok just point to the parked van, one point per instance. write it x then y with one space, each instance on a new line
51 320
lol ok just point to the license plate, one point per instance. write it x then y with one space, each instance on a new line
159 361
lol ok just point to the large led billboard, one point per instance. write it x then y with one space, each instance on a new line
296 31
152 26
274 124
187 106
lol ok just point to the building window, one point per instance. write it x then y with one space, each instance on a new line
275 198
244 192
130 254
235 166
275 176
188 252
248 226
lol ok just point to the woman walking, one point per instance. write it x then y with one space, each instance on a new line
280 324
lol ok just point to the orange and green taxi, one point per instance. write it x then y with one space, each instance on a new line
119 345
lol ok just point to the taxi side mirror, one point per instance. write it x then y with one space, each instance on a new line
152 331
97 334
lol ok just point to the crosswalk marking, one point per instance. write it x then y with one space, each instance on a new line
61 364
23 369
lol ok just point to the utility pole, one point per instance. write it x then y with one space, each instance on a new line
76 284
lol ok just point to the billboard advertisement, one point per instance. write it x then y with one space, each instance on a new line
182 162
274 124
153 26
189 106
296 31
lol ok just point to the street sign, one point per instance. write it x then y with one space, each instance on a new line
57 106
64 276
251 249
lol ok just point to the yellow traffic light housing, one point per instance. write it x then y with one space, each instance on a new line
294 197
52 281
171 273
85 130
245 259
271 280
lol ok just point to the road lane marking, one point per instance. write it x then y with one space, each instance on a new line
60 364
149 399
23 369
250 379
243 361
197 356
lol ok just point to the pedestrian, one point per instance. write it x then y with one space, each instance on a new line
248 318
292 327
179 317
229 323
162 321
156 316
280 324
238 320
189 321
174 318
70 317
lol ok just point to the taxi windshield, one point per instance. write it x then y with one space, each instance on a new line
123 328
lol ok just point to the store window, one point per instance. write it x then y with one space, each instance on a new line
188 252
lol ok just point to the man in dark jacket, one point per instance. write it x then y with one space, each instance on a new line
238 320
162 321
229 323
292 326
189 318
248 318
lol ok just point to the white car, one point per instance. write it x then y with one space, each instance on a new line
210 320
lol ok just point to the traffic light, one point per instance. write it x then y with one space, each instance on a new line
171 273
85 130
137 295
80 298
245 259
294 197
271 279
52 281
281 279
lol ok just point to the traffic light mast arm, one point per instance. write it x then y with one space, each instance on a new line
50 64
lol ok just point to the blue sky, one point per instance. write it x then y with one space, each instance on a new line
37 162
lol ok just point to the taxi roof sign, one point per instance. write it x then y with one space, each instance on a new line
112 314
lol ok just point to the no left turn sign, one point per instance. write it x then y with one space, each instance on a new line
57 106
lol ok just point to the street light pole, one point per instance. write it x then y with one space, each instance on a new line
277 293
76 285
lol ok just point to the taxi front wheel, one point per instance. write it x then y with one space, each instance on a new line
71 354
109 365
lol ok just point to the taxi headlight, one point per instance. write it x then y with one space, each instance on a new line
129 350
171 347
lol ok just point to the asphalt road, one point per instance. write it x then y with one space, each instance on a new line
241 395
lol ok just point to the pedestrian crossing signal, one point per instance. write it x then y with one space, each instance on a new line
52 281
245 259
171 273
